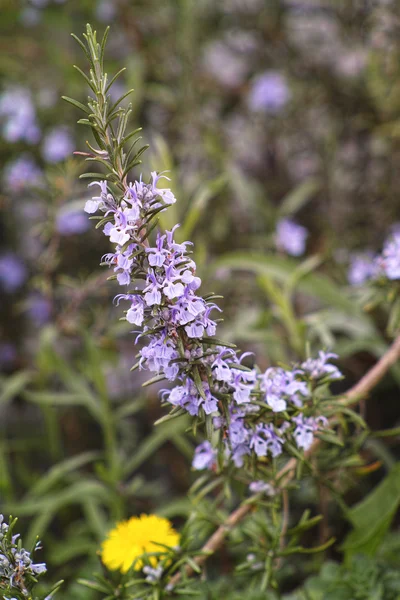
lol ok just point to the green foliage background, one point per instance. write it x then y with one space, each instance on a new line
78 449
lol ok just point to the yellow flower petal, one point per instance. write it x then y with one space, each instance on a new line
131 539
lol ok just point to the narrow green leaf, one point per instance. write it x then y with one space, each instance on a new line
13 385
76 104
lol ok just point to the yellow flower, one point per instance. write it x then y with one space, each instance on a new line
133 538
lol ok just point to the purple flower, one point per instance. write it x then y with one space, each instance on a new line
186 396
8 355
222 371
205 457
256 487
280 387
157 356
135 314
71 221
22 173
105 11
264 439
268 93
305 428
57 145
195 329
317 368
389 261
173 321
363 266
152 294
97 202
39 309
19 116
12 272
291 237
158 254
209 404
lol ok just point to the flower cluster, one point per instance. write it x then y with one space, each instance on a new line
389 261
17 569
362 267
281 394
57 145
254 412
21 174
19 116
167 301
365 266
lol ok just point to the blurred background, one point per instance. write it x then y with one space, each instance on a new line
279 124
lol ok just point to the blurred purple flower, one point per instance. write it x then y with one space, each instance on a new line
105 11
72 221
268 93
362 267
19 116
204 457
256 487
22 173
12 272
291 237
38 309
389 260
8 354
57 145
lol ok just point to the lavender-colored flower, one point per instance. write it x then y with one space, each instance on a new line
71 221
291 237
153 574
174 322
17 568
256 487
135 314
57 145
268 93
22 173
305 428
12 272
363 267
39 309
205 457
18 115
105 10
319 368
8 354
265 439
281 387
389 261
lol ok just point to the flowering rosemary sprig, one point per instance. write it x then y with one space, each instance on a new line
254 413
18 572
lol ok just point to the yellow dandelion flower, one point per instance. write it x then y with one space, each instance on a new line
131 539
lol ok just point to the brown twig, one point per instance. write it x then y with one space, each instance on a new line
356 393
